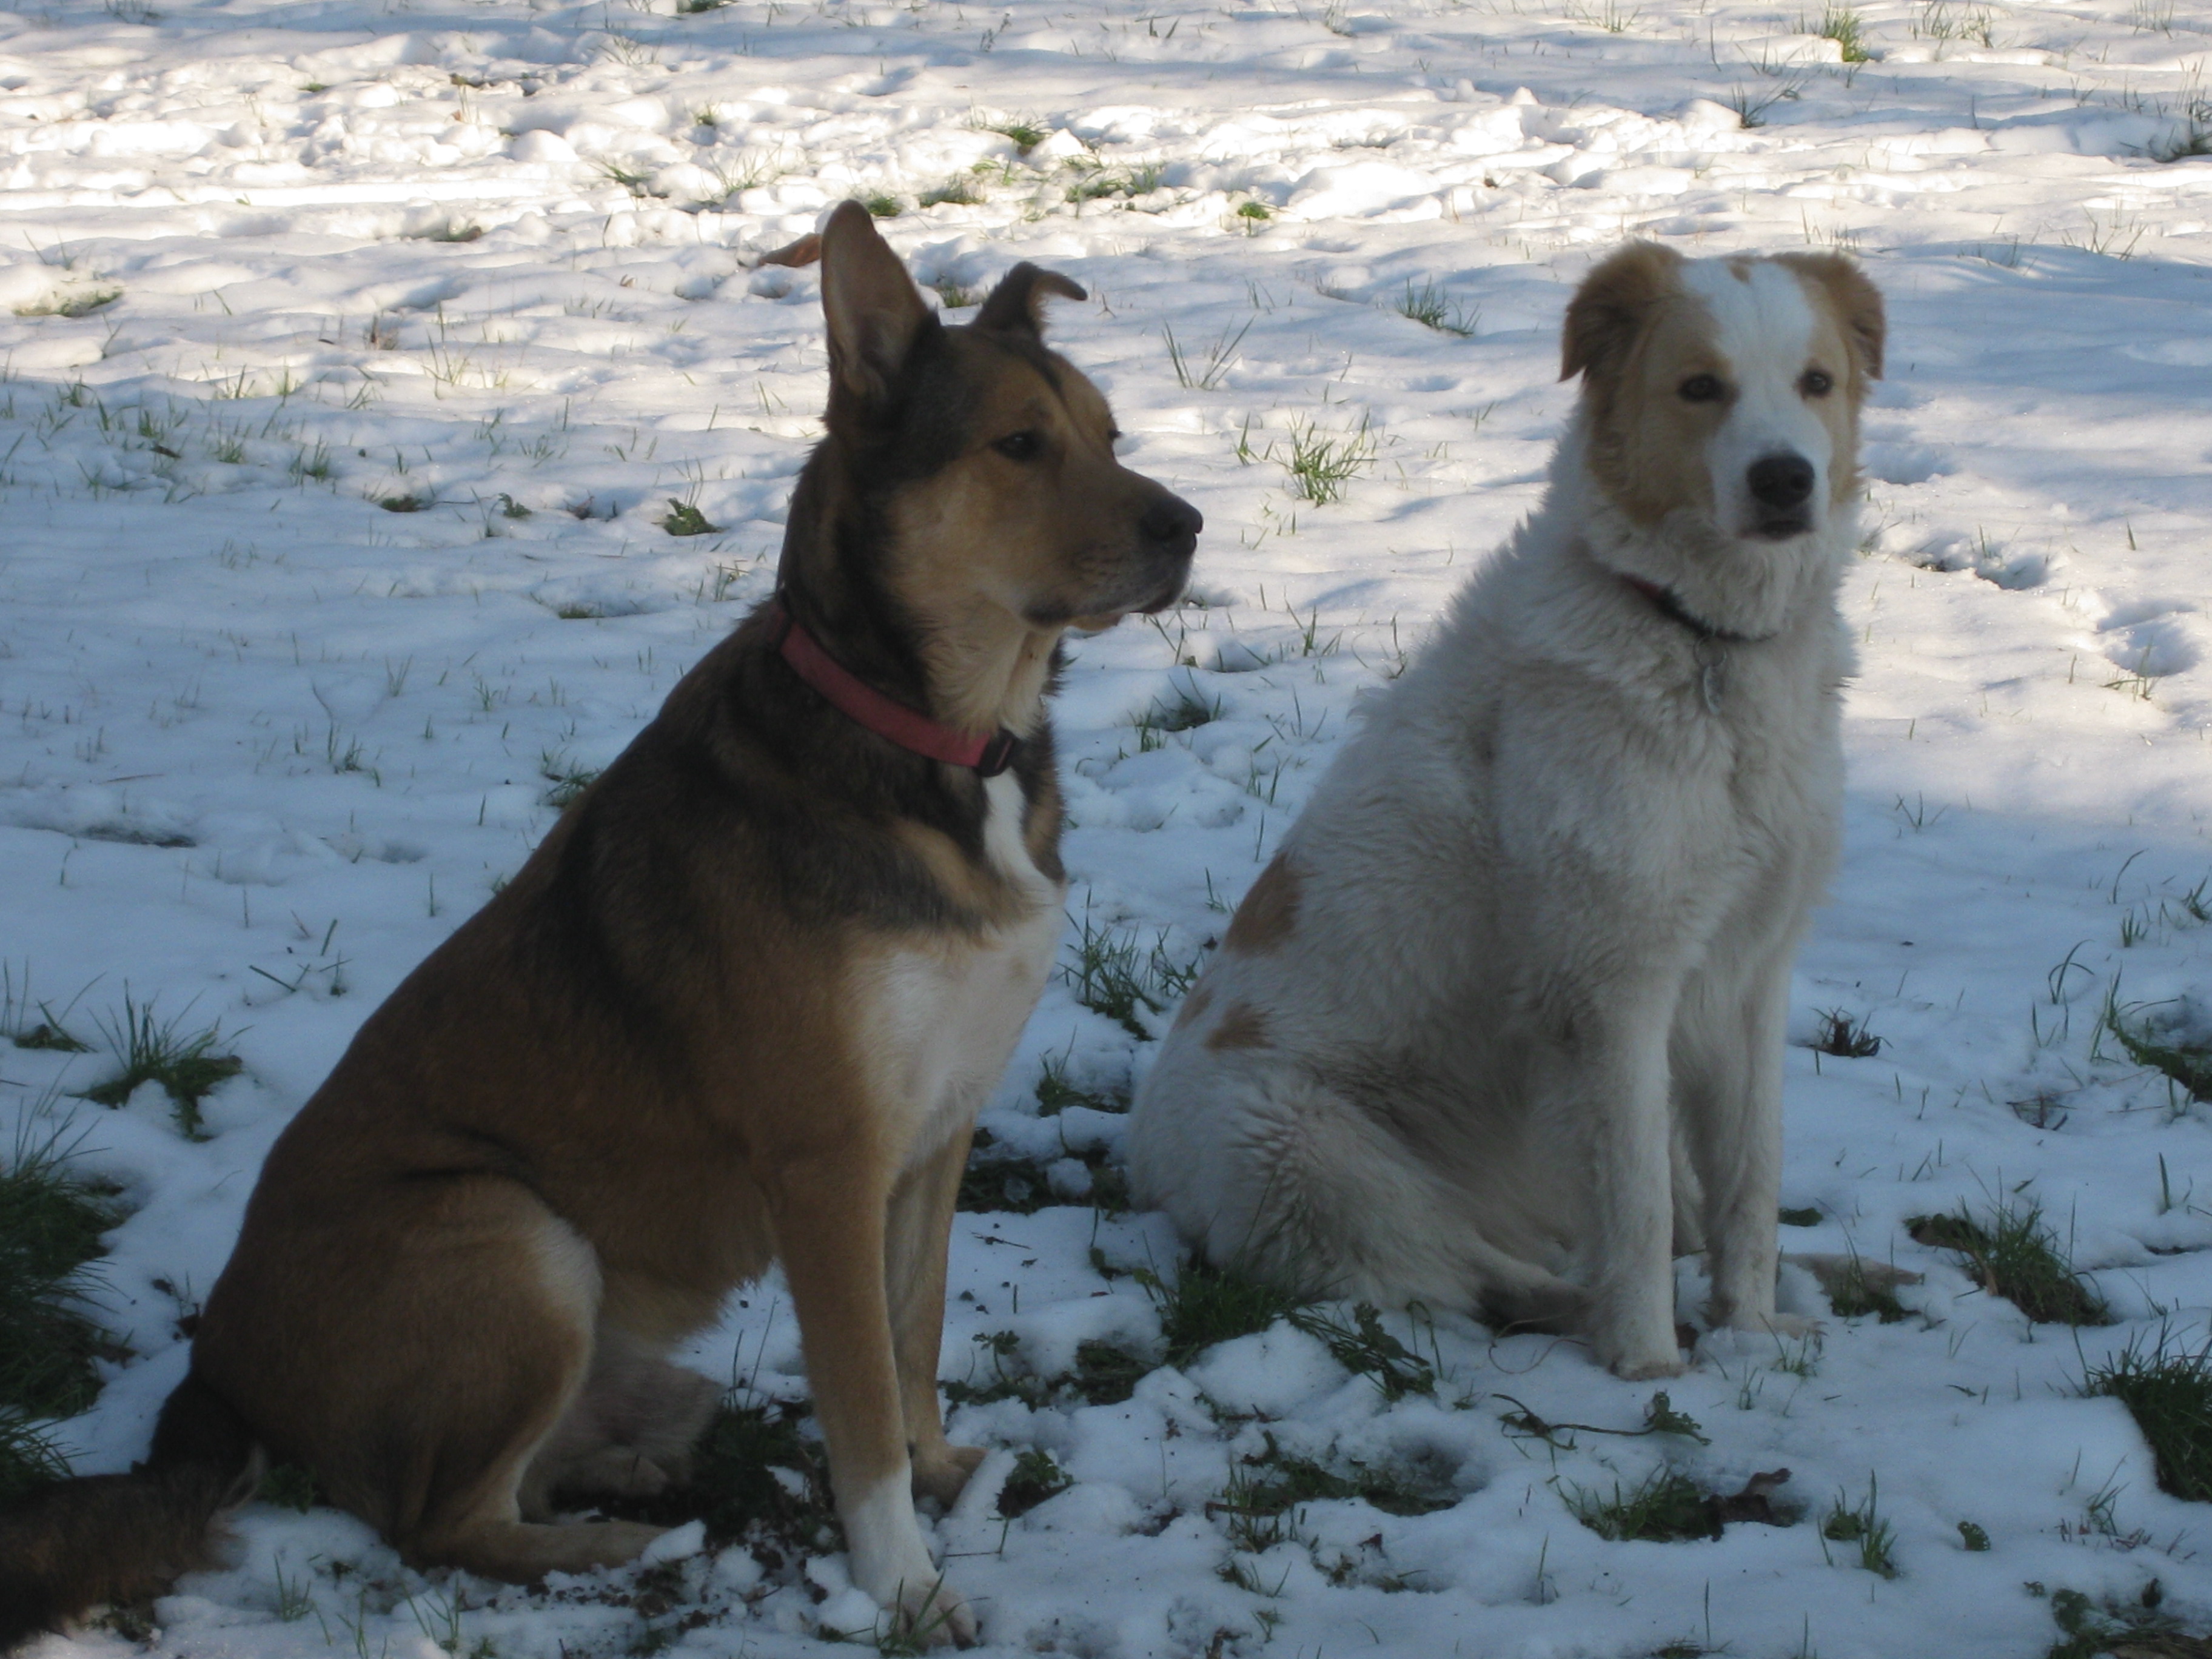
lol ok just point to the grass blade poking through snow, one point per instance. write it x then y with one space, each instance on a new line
2016 1256
185 1064
2166 1387
1207 1304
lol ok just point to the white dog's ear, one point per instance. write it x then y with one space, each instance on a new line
1857 300
874 312
1611 306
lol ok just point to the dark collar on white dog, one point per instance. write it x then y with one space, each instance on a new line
1664 600
1712 666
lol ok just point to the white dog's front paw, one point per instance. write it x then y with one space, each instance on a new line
1638 1355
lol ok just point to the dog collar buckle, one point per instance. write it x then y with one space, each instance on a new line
865 705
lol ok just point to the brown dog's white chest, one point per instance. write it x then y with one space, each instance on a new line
938 1016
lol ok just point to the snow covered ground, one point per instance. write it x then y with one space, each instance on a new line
356 353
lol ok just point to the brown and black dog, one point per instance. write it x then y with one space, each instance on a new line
741 1006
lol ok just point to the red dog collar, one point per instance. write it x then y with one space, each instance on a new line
863 705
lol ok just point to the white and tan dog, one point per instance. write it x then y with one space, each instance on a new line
1501 1024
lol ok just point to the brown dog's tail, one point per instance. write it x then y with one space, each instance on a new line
116 1537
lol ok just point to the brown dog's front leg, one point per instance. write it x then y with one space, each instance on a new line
830 1217
919 1236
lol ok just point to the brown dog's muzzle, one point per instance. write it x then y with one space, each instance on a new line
1170 528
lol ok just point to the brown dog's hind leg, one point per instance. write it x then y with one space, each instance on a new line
918 1236
630 1433
459 1374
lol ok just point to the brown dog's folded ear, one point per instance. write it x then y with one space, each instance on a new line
1017 305
1611 306
1856 300
874 312
804 251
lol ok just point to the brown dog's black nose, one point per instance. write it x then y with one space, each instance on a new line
1174 523
1781 481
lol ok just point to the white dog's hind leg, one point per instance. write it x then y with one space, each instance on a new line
1731 1099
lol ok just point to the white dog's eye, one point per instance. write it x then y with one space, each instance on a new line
1702 389
1815 383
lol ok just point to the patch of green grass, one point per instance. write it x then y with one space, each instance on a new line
407 501
734 1489
1432 307
1845 1035
1365 1349
1186 711
1207 1305
50 1225
80 304
2165 1037
290 1486
456 231
882 204
2016 1255
1665 1507
1807 1217
1000 1181
955 296
1095 187
28 1460
1026 134
568 778
1257 212
954 192
2166 1387
1973 1537
1862 1524
684 519
630 179
1104 1375
1847 29
1036 1477
1270 1485
1056 1093
2135 1628
1321 464
1855 1293
1115 974
49 1030
47 1034
999 1178
153 1050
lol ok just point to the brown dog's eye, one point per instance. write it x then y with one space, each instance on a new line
1020 445
1815 383
1702 389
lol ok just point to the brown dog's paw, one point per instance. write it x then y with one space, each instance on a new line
935 1615
944 1475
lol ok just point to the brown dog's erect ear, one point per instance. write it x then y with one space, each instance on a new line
873 309
1856 300
1611 306
1017 305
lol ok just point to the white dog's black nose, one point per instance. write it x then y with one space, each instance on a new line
1781 481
